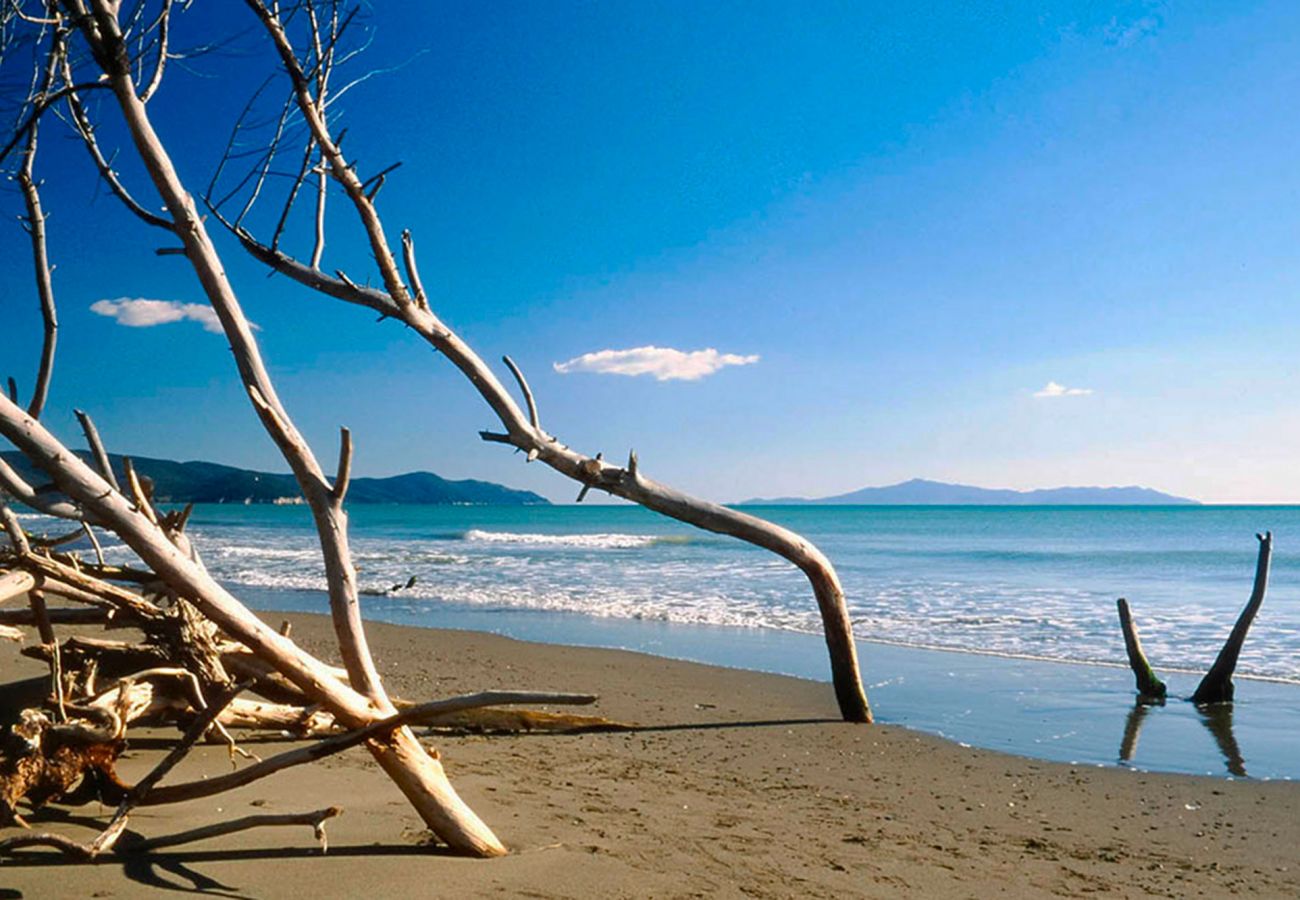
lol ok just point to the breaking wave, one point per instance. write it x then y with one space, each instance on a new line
589 541
973 590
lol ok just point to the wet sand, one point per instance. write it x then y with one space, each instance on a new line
735 784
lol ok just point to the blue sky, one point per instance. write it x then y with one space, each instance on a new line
899 222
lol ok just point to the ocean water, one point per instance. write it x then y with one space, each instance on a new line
1026 582
1026 594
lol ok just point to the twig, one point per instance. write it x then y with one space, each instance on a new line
527 391
97 448
315 819
163 23
36 231
340 489
413 271
94 542
138 495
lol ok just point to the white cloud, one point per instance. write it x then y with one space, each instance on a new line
664 363
141 313
1053 389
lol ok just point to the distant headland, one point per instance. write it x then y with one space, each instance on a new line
921 492
208 482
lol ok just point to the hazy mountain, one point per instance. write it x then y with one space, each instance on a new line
920 492
206 482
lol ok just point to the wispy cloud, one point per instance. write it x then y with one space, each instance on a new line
142 313
1053 389
664 363
1126 34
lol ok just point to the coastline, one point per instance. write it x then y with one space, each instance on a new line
736 783
1061 710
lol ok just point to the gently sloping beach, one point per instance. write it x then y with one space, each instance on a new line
736 784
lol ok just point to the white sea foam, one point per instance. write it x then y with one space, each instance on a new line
303 553
590 541
1050 605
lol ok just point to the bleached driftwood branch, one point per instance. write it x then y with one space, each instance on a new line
418 775
395 301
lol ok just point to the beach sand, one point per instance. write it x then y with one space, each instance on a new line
737 784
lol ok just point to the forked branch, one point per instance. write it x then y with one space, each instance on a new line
524 431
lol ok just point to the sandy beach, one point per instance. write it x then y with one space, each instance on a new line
734 784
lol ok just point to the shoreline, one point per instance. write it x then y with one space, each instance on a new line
736 783
1034 708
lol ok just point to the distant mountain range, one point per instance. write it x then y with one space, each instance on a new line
920 492
206 482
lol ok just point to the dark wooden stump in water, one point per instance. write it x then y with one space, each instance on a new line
1148 685
1216 686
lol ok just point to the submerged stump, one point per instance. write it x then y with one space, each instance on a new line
1217 686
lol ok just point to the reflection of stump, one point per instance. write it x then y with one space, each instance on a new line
1218 719
1216 686
1133 727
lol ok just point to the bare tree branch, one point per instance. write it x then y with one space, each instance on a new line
315 819
86 130
163 26
97 448
340 489
35 225
406 762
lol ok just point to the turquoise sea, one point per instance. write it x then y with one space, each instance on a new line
1024 595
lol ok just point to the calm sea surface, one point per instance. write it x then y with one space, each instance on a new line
1036 582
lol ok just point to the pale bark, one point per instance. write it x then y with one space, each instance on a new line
316 820
525 432
35 225
423 712
15 584
418 776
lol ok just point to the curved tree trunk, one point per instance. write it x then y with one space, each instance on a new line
1216 686
410 306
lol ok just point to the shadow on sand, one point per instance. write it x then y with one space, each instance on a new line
173 870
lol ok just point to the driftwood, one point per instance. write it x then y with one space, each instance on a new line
1216 686
1148 685
198 646
15 584
81 852
182 606
410 306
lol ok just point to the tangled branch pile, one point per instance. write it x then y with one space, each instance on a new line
200 650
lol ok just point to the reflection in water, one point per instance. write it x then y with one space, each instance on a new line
1133 726
1216 717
